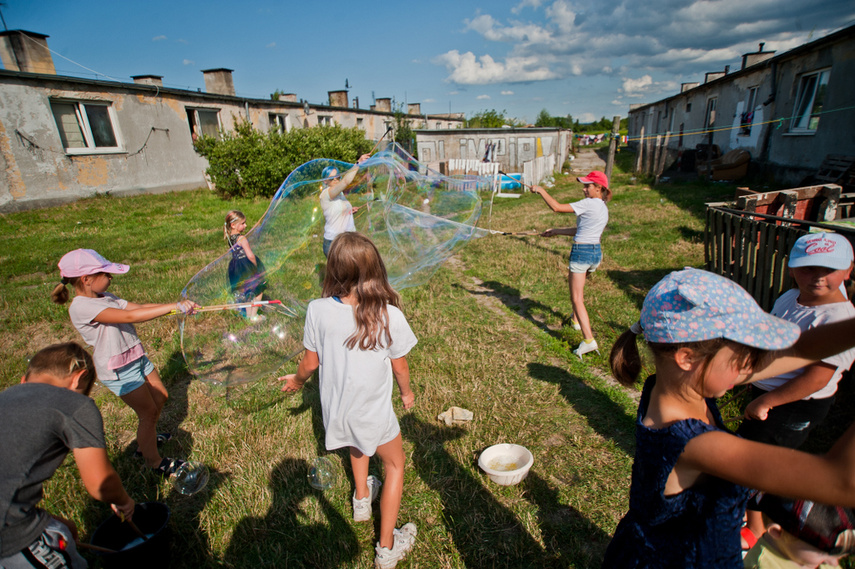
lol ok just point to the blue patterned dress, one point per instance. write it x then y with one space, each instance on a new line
697 528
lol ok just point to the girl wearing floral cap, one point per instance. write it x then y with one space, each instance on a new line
691 476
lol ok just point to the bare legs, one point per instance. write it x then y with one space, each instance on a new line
392 455
577 298
147 402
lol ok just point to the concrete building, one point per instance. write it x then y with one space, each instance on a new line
789 110
511 148
62 138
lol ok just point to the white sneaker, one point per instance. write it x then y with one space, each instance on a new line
362 507
585 347
575 323
405 537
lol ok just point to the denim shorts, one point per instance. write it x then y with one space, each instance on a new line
585 258
128 377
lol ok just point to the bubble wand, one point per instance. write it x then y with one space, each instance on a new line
388 130
236 306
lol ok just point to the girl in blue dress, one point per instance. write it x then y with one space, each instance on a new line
691 476
246 271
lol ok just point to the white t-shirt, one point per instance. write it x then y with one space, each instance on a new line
592 216
109 340
337 216
355 385
807 317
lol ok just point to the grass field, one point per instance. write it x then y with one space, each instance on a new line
494 338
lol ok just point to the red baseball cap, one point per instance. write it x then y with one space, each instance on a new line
82 262
596 177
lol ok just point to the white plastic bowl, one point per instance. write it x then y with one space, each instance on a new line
506 464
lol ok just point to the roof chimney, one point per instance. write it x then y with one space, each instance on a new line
156 80
384 105
686 86
759 56
219 81
26 51
414 109
338 98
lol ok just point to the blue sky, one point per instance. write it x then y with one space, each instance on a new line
587 58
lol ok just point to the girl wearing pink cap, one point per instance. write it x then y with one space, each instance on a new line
586 255
106 323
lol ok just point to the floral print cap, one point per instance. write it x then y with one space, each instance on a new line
693 305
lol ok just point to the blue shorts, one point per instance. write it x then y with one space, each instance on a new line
128 377
585 258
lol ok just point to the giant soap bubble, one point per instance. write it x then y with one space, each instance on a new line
417 218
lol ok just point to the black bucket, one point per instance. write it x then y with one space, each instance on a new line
130 551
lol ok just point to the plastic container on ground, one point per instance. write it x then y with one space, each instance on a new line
506 464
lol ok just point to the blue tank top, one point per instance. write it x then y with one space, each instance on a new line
697 528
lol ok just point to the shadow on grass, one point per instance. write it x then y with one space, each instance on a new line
485 532
565 532
286 536
636 284
525 307
603 415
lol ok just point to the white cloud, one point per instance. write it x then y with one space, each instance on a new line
526 4
467 69
507 93
189 62
636 87
585 117
483 97
271 45
158 38
429 101
182 41
618 103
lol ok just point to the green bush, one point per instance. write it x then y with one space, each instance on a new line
248 163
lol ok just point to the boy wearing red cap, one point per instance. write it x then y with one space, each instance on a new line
586 255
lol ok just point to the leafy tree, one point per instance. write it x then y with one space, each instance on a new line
403 132
246 162
491 119
275 95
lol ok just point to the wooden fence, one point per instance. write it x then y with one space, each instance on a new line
752 249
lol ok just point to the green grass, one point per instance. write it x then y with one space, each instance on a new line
493 338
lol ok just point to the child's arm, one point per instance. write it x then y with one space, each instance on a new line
242 241
552 202
812 346
828 479
814 378
559 231
308 365
401 369
142 312
101 480
347 179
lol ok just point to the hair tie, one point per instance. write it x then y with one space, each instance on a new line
636 328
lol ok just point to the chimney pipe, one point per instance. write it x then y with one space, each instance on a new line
761 46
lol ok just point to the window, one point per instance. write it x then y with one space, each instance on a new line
86 126
709 122
688 107
279 123
325 120
809 101
204 122
748 113
360 123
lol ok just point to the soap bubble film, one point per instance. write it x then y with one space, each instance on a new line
190 478
321 474
416 216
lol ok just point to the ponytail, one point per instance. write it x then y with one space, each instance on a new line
59 294
624 359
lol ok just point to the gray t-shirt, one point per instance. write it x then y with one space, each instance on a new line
355 385
39 425
109 340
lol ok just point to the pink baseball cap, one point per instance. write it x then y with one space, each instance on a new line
82 262
596 177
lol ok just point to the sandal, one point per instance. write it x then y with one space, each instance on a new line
748 536
168 467
162 438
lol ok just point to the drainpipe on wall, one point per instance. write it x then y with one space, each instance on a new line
246 106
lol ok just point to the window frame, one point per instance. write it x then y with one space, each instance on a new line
326 120
197 123
747 117
710 113
804 109
85 126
